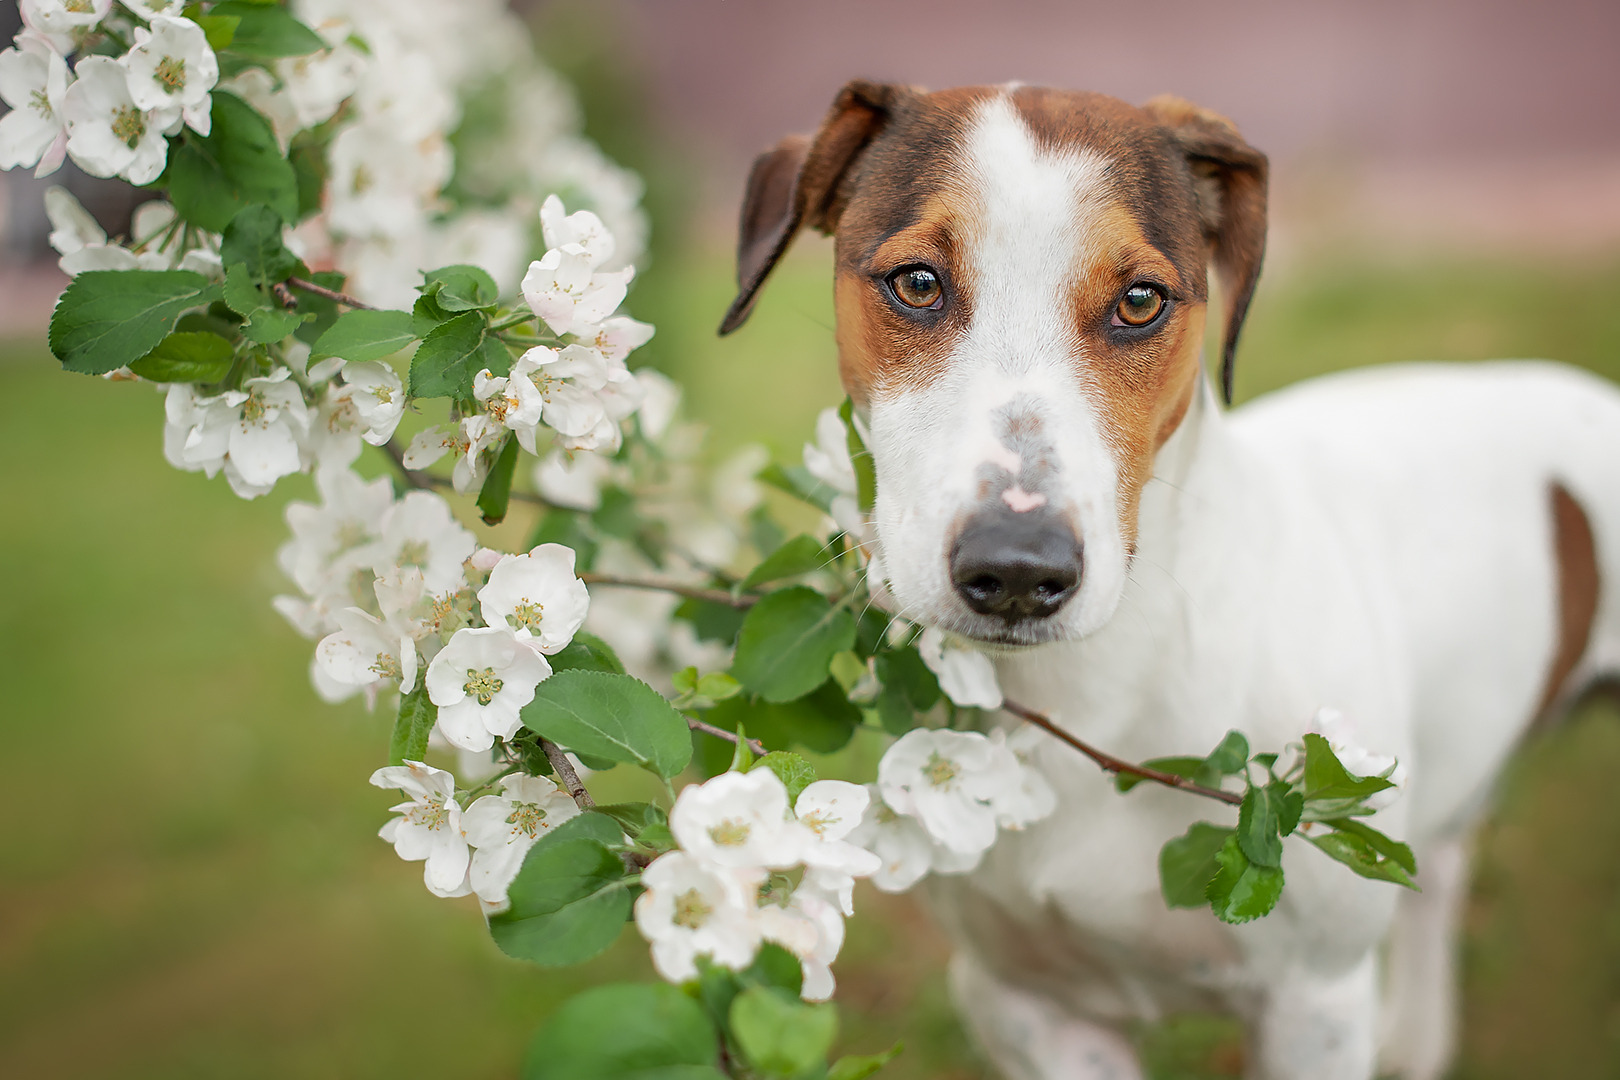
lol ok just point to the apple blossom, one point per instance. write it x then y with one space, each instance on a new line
566 383
562 289
502 828
573 480
831 810
64 22
364 653
171 66
812 929
904 849
419 531
693 908
429 826
967 676
738 820
480 681
108 134
619 336
581 232
946 780
537 596
828 460
33 81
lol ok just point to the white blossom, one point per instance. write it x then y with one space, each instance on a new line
537 596
573 480
904 849
580 233
377 395
693 908
252 433
108 134
562 288
480 681
502 828
511 402
830 810
828 460
967 676
811 928
64 22
738 820
429 826
567 384
617 337
171 66
364 653
33 81
419 531
947 781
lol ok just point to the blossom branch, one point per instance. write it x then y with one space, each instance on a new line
331 294
757 747
566 773
691 592
1110 763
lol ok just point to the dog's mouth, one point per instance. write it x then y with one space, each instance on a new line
999 637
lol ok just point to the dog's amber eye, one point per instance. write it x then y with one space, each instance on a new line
917 286
1139 306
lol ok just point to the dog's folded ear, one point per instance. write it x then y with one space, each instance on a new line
798 183
1229 178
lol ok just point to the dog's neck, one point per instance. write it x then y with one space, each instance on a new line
1101 686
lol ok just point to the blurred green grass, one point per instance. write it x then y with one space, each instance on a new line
191 882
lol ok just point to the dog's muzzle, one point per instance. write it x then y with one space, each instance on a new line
1016 566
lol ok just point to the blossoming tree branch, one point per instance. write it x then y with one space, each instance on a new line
305 161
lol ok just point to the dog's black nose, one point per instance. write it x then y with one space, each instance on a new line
1017 566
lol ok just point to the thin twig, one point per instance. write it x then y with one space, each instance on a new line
691 592
721 733
565 772
330 294
1112 764
411 476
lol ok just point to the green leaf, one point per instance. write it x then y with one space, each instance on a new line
800 483
569 900
712 621
847 669
909 688
1189 767
1230 757
238 164
1290 805
1327 778
265 31
742 754
1259 828
496 494
787 643
586 652
1187 864
417 714
267 321
822 721
1380 843
781 1036
800 555
1242 892
360 336
217 29
611 716
460 288
794 771
186 357
105 319
860 458
633 1031
253 238
1360 856
774 966
634 817
860 1066
449 357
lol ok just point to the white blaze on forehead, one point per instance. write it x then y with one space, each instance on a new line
1024 243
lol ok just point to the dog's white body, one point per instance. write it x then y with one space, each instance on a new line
1379 542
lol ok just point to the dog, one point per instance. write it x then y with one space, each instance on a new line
1021 285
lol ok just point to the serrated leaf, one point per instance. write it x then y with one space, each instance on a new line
412 726
794 771
1259 828
1290 805
460 288
586 652
266 31
187 357
636 1031
787 643
448 358
568 901
800 555
1230 757
1240 891
1358 855
267 322
253 238
496 493
822 721
1327 778
1187 864
238 164
782 1036
860 458
860 1066
360 336
106 319
610 716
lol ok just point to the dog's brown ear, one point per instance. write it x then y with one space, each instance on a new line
1229 177
797 184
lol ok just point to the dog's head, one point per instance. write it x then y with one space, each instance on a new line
1021 282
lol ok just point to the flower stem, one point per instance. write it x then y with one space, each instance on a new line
1110 763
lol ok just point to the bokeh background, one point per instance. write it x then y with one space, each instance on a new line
190 884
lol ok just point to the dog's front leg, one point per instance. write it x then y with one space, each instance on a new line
1029 1036
1319 1027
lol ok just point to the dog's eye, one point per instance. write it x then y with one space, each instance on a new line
917 287
1140 305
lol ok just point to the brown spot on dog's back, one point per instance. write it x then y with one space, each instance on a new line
1578 583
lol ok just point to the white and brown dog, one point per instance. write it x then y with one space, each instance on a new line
1021 283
